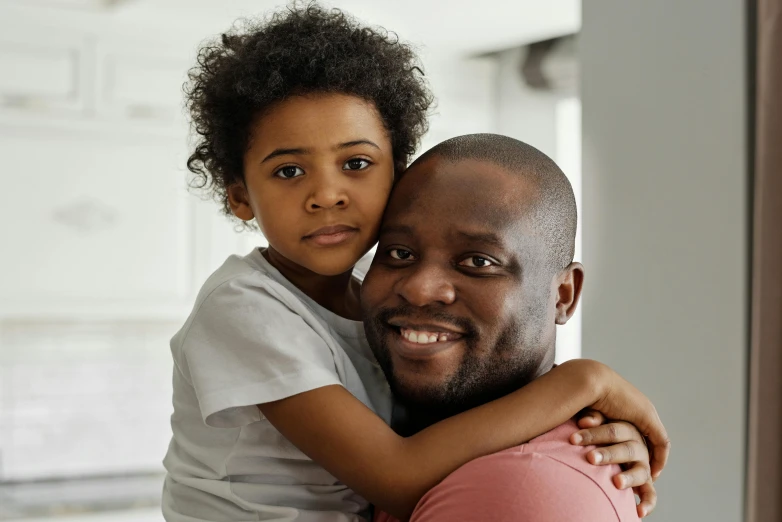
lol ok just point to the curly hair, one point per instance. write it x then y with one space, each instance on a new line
300 50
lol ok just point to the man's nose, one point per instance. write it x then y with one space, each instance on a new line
426 284
328 191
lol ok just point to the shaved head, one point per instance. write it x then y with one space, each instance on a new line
473 273
554 215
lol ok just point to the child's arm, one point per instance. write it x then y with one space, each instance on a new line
341 434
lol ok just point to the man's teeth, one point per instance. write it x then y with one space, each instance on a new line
418 337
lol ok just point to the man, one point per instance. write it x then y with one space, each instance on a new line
472 274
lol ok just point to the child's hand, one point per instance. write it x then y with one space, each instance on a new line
620 400
622 444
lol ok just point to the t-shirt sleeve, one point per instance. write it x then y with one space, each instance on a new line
245 347
522 487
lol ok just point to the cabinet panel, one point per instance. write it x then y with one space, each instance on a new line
96 225
139 85
43 77
38 72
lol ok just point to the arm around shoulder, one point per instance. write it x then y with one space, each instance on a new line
337 431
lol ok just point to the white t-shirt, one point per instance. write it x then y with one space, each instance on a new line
254 338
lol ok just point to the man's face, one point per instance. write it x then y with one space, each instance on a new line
459 304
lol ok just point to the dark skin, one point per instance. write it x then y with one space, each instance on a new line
483 286
325 160
481 268
317 161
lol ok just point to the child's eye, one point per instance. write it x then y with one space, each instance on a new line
356 164
400 253
289 172
477 262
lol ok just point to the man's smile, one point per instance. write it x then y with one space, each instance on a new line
420 340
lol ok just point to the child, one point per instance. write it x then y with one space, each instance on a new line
304 121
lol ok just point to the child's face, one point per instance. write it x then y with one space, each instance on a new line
317 161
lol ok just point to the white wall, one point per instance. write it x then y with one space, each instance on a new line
666 243
568 157
523 113
465 96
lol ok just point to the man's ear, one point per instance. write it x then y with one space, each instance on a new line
239 202
571 280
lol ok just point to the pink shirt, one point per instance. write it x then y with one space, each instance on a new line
545 480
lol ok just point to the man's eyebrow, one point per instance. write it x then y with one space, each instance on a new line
396 229
353 143
284 152
483 237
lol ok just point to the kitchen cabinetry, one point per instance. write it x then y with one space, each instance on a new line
104 249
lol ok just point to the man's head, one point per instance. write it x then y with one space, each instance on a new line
473 273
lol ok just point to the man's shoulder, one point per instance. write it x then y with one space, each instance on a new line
545 479
556 444
553 448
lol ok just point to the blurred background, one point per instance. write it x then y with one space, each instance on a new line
104 248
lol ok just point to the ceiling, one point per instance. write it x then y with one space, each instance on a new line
437 26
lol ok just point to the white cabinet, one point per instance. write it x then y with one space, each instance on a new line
48 76
94 227
103 228
96 218
103 250
75 81
139 85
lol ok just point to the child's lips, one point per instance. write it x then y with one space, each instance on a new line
331 235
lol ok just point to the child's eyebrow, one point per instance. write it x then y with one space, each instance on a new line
285 152
290 152
349 144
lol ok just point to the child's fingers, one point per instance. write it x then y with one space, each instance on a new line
610 433
623 453
635 476
590 418
648 496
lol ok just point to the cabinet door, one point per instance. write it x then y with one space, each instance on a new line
46 77
139 85
94 227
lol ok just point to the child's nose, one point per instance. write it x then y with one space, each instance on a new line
327 194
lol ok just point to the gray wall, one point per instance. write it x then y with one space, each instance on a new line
665 230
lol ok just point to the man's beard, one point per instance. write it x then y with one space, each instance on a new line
482 376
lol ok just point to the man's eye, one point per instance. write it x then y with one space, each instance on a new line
356 164
477 262
289 172
400 253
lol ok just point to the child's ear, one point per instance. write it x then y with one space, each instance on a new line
571 280
240 202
